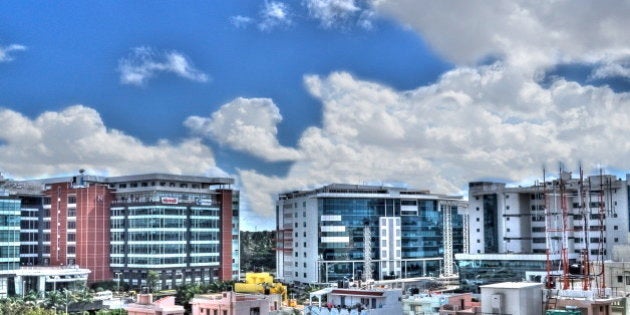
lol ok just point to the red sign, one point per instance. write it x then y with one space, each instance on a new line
169 200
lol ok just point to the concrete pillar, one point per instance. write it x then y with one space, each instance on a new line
19 285
3 287
41 285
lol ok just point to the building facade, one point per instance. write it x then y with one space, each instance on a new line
511 230
184 228
9 242
322 233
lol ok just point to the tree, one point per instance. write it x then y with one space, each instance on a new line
152 280
257 251
55 300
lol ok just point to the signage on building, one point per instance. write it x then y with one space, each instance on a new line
169 200
204 202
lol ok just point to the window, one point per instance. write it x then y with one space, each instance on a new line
254 311
620 279
72 199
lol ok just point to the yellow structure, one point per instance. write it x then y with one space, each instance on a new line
262 283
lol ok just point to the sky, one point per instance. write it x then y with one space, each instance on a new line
286 95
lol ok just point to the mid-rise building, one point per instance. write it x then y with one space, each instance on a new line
184 228
512 230
323 235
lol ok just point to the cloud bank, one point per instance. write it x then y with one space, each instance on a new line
144 63
76 137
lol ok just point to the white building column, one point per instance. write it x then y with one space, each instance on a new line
19 285
3 287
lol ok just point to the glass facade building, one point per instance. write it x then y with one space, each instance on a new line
9 234
406 233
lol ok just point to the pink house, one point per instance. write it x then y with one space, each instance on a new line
145 306
231 303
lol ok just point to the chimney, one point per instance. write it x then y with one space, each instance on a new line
145 299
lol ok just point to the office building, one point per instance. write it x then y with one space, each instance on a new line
322 233
185 228
513 230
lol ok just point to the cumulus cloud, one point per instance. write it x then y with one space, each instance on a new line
76 137
248 125
524 33
274 14
144 63
474 122
6 52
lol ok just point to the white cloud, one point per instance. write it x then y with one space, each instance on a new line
331 12
342 13
473 123
240 21
145 63
274 14
612 68
6 51
247 125
528 34
76 137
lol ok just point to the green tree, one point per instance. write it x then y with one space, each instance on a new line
152 280
257 251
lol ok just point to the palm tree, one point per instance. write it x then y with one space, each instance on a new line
55 299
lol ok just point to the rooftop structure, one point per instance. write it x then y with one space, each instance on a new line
355 301
146 306
231 303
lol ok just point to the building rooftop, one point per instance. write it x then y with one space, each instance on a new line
512 285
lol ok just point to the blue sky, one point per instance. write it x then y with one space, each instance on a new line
284 95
